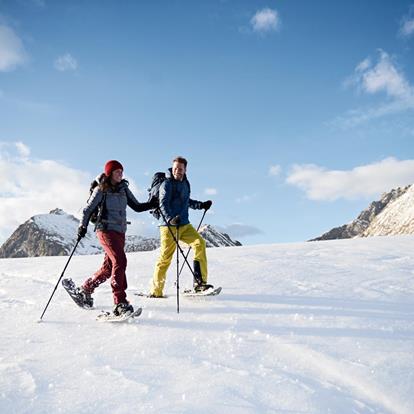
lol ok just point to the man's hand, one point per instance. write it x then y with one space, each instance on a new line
82 232
175 221
206 205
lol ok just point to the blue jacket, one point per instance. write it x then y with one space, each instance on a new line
174 198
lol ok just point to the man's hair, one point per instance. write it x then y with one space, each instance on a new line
180 160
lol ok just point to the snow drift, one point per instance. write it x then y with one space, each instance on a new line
299 328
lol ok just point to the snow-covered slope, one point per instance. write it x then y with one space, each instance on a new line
298 328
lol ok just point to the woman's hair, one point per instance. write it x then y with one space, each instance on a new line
105 183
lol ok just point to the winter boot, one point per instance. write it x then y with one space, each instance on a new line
122 308
85 297
202 287
199 285
198 279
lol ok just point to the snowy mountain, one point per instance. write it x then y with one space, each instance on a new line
50 234
391 215
54 234
215 238
311 328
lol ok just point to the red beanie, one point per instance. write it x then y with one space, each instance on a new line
111 166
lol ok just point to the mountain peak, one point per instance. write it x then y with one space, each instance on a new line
57 211
392 214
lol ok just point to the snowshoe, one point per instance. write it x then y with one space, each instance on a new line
82 298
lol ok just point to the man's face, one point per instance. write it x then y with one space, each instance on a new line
178 170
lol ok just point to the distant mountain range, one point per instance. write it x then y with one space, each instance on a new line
54 234
392 214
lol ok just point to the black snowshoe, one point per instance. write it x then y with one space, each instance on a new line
82 298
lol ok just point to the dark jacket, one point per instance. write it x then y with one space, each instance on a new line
174 198
114 212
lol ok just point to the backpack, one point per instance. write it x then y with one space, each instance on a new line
96 215
154 191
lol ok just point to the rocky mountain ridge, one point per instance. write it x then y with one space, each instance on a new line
391 215
54 234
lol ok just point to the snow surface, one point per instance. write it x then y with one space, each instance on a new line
324 327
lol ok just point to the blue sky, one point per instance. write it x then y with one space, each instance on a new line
294 115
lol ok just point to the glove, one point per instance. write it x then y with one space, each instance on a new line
206 205
175 221
154 202
81 232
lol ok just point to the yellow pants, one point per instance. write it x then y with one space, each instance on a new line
189 235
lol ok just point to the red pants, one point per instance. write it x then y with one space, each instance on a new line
114 265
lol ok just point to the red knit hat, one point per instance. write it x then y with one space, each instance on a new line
111 166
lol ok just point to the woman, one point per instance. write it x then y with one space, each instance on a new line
111 196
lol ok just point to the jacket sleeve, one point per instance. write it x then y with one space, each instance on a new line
134 203
165 193
93 202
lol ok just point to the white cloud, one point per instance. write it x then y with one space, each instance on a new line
210 191
66 62
365 181
31 186
265 20
23 150
274 170
12 52
407 24
407 29
382 77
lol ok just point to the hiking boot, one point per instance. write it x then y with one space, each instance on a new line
201 287
85 297
198 279
122 308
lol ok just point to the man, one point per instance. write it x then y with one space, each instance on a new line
174 201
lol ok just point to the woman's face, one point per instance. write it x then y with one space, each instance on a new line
116 176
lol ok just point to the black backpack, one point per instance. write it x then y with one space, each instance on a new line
96 215
157 179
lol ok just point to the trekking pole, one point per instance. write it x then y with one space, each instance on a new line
176 241
57 284
178 274
189 249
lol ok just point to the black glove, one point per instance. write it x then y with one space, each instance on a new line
175 221
154 202
82 232
206 205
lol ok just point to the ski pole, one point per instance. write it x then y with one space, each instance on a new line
189 249
178 274
57 284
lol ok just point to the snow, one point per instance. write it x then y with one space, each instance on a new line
324 327
396 218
